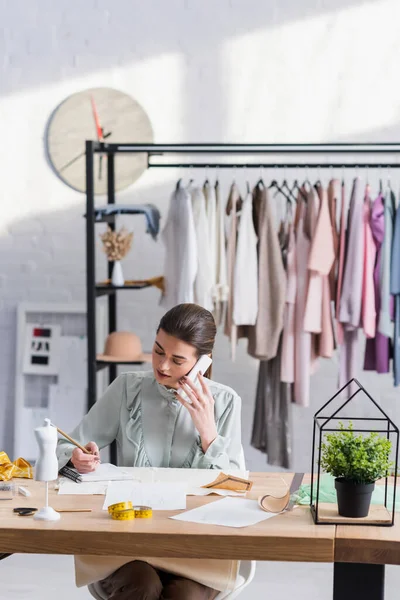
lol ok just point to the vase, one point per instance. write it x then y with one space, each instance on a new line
354 499
117 277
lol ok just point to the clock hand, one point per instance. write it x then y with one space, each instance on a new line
99 129
73 160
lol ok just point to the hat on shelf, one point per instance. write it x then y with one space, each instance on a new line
123 346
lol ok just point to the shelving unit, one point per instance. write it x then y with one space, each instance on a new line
238 151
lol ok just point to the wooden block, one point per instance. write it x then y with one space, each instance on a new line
328 513
229 482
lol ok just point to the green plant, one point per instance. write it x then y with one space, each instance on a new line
356 458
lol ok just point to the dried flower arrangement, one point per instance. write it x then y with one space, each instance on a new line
116 244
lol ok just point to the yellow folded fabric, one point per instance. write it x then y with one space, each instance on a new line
19 468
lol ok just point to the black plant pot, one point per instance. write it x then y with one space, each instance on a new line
354 499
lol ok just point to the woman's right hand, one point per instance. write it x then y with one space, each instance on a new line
86 463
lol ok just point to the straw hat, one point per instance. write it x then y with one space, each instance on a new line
123 346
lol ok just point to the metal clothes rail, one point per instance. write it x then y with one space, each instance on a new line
385 155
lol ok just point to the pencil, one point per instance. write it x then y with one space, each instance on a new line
77 444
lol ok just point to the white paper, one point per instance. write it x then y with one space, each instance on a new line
73 362
67 406
159 496
108 472
68 487
194 478
229 512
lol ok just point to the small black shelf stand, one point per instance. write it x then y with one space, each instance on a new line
388 154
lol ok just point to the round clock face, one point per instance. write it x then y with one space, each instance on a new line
98 113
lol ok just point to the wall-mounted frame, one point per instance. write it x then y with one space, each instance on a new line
34 391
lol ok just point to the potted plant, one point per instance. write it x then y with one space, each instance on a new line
356 462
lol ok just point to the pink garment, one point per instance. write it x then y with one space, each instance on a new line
288 337
351 297
318 317
342 249
368 311
313 309
302 338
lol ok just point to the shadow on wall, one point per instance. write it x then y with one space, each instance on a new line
53 41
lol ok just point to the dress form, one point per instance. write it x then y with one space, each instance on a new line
46 468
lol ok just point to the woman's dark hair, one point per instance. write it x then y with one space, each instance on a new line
192 324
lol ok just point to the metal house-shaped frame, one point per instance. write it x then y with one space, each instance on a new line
325 424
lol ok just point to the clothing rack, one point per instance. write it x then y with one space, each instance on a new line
387 156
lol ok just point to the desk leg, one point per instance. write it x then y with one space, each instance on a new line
355 580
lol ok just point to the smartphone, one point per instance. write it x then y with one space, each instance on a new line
200 367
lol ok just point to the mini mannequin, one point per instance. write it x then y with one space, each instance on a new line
46 468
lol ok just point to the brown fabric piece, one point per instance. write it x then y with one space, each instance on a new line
265 334
333 195
137 580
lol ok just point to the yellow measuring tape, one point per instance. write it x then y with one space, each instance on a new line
125 511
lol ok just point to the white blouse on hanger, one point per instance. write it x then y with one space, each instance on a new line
245 293
204 282
179 237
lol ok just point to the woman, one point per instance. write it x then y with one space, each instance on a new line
154 427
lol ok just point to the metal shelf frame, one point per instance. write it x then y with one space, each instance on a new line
329 155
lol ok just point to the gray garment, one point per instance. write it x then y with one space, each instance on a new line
152 429
385 325
351 295
395 289
272 416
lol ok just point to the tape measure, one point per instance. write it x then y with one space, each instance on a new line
125 511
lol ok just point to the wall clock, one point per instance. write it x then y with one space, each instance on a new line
90 115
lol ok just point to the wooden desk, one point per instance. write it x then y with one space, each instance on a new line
291 536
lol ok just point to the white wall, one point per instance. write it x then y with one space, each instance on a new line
232 70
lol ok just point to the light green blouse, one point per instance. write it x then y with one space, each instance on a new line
152 429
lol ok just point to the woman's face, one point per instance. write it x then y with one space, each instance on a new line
172 359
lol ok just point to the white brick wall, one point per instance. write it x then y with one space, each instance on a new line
232 70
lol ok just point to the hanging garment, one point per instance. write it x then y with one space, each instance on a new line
221 291
151 213
385 325
211 211
245 287
302 338
318 317
341 263
313 308
264 336
377 349
288 336
351 296
333 198
271 431
179 237
234 201
204 283
368 310
395 290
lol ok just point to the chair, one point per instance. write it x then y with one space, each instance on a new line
247 568
246 574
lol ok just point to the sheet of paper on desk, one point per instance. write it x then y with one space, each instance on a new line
107 472
159 496
229 512
193 477
68 487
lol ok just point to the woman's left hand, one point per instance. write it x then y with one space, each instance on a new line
201 409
